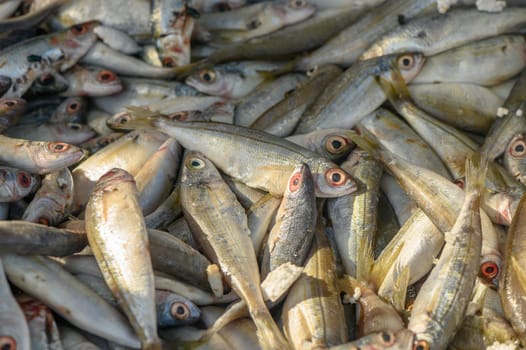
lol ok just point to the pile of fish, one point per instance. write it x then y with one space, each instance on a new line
289 174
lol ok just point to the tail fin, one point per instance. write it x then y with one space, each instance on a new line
269 335
475 170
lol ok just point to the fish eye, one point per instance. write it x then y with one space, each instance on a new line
123 119
336 177
46 79
295 182
518 148
489 270
180 311
10 103
460 183
42 221
79 29
7 343
168 62
73 107
74 126
254 24
58 147
387 338
298 3
421 345
207 76
179 116
406 62
196 163
23 179
106 76
335 144
222 7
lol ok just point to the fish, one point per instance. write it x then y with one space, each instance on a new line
16 184
129 272
226 241
278 155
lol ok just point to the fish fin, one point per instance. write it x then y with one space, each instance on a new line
383 264
365 261
475 172
268 333
141 112
367 141
518 270
397 299
234 312
395 88
188 69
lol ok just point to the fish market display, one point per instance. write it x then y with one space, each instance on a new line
263 174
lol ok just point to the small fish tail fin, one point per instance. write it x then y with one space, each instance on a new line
475 172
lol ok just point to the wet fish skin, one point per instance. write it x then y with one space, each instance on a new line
333 144
13 326
68 297
15 184
357 86
401 340
175 310
128 273
10 111
433 34
219 224
71 110
38 157
91 81
265 151
72 133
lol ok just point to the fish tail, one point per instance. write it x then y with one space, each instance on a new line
475 172
364 139
269 335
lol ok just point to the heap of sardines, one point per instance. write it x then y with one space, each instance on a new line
242 175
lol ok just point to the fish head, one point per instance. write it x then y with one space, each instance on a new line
409 65
70 110
53 153
387 340
514 157
337 144
16 184
198 170
292 11
75 41
10 110
110 180
210 81
99 82
176 310
49 83
332 181
300 182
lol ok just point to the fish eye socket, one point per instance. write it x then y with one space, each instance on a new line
489 270
168 62
79 29
58 147
7 343
335 144
46 79
196 163
10 103
179 116
207 76
460 183
180 311
43 221
295 182
23 179
73 107
387 338
518 148
106 76
123 119
222 7
336 177
406 62
298 3
421 345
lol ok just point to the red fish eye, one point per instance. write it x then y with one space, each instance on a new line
43 221
58 147
295 182
79 29
23 179
489 270
7 343
168 62
179 311
460 183
336 177
421 345
106 76
180 116
73 107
